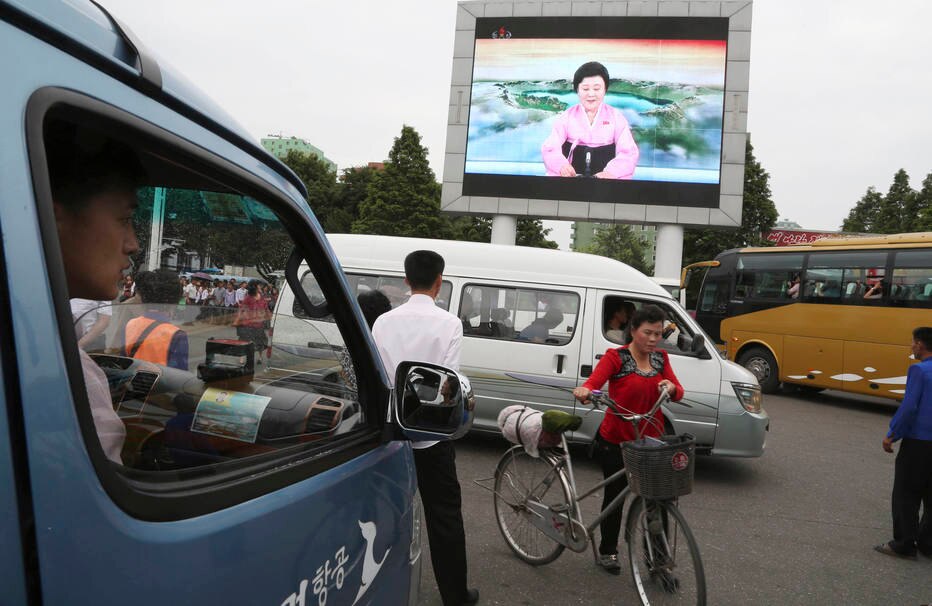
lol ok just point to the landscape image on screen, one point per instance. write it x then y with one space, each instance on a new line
671 92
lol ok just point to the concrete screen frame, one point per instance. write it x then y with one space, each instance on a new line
734 136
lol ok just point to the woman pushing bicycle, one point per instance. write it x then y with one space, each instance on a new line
635 374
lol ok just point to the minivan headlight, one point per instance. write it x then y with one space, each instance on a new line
749 396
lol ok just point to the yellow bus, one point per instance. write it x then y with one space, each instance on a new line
833 314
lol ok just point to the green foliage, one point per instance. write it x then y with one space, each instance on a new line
758 215
902 209
863 217
323 192
621 243
924 205
531 232
403 199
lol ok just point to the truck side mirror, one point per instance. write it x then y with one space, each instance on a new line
432 402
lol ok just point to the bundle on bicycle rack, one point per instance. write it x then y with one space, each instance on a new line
533 429
660 468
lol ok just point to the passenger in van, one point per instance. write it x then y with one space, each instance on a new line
94 181
372 303
420 331
539 330
616 314
635 374
91 319
152 336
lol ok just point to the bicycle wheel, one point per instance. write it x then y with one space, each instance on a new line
663 555
520 478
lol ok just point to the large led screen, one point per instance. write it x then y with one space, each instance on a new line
544 123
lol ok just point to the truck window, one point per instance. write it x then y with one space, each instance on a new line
188 381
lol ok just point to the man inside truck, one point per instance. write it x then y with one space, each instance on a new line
94 181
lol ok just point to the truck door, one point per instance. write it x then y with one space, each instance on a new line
206 466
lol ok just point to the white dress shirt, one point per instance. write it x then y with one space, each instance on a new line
110 429
418 331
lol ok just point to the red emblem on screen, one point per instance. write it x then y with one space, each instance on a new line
679 461
605 122
501 33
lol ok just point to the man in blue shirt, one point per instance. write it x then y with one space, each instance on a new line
912 480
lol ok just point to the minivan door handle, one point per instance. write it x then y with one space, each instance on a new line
599 356
560 358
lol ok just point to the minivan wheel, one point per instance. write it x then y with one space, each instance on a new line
762 363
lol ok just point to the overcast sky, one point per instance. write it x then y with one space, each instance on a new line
839 96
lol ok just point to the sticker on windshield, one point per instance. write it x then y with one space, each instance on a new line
229 414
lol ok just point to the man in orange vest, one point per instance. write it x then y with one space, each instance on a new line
152 336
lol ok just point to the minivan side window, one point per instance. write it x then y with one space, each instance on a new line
392 287
519 314
678 335
186 371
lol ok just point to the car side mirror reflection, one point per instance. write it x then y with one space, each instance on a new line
433 402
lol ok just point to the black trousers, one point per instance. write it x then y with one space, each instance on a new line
912 486
443 516
609 457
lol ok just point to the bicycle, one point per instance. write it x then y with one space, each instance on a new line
538 513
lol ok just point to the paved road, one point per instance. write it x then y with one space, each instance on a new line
793 527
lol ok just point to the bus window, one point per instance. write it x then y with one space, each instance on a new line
844 277
766 276
912 279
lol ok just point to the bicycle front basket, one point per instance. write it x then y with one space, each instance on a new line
660 469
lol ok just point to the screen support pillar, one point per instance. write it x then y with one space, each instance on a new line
668 251
504 229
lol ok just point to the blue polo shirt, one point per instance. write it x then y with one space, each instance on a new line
913 419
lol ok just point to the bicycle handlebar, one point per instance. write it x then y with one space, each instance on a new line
598 397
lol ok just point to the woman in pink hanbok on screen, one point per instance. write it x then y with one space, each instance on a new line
591 138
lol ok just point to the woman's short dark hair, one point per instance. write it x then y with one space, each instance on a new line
159 286
422 268
648 314
252 288
587 70
373 304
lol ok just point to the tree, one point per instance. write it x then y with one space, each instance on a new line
924 206
621 243
893 217
322 189
531 232
354 188
403 199
863 217
758 215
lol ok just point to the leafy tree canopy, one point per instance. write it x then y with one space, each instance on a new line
621 243
758 215
902 209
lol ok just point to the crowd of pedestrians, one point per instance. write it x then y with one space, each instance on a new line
222 298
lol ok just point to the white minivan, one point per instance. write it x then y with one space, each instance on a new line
500 291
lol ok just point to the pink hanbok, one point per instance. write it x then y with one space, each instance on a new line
572 129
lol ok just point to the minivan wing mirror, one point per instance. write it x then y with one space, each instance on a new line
432 402
698 347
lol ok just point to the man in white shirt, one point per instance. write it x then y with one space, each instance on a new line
420 331
94 198
241 292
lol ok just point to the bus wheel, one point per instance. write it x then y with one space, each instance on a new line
760 362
